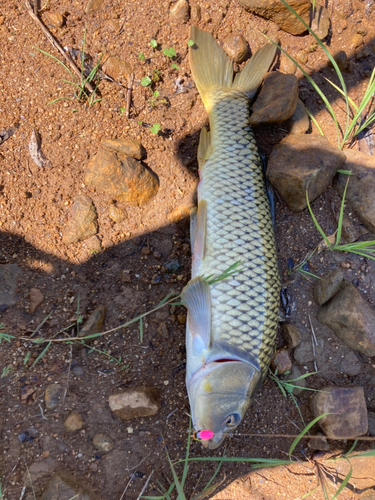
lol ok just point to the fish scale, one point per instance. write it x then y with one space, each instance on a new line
239 227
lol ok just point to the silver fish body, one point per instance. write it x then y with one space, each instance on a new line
232 323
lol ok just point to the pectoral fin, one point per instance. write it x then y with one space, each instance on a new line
204 148
196 297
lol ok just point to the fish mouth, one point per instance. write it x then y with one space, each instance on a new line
214 442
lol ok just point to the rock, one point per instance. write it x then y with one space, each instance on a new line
300 119
281 15
117 68
94 324
93 6
348 411
179 11
277 100
302 56
78 371
73 422
328 286
304 352
195 13
282 362
9 274
117 214
318 443
179 213
356 41
135 403
351 318
235 45
350 364
93 244
301 161
36 298
83 221
341 59
121 177
54 19
299 385
350 233
371 423
361 187
40 469
64 486
103 442
320 22
128 146
292 335
287 65
53 395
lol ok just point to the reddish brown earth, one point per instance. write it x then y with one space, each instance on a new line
134 270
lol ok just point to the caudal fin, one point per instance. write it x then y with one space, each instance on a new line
212 69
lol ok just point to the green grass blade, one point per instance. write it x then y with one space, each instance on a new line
341 216
208 489
141 330
40 325
333 62
317 225
352 103
57 60
313 119
363 254
7 337
306 429
42 354
180 491
345 481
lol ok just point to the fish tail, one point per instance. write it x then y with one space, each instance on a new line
213 70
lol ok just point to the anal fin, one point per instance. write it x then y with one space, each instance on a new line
204 147
193 227
196 297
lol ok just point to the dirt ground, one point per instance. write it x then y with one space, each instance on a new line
153 248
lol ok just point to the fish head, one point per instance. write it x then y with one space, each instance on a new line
220 392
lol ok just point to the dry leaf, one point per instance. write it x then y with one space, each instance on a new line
35 151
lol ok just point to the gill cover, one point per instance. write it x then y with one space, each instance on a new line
219 394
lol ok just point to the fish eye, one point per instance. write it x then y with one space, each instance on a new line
232 420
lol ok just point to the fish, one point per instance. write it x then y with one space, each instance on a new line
232 323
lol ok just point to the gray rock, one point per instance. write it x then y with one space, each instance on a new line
351 318
64 486
78 371
83 221
179 11
318 442
350 232
277 100
350 364
299 385
94 324
73 422
327 286
371 423
9 274
36 298
120 176
320 22
282 362
300 121
291 334
235 45
361 187
103 442
53 395
135 403
281 15
348 411
304 352
299 162
40 469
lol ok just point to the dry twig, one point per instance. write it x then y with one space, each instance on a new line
129 95
56 44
